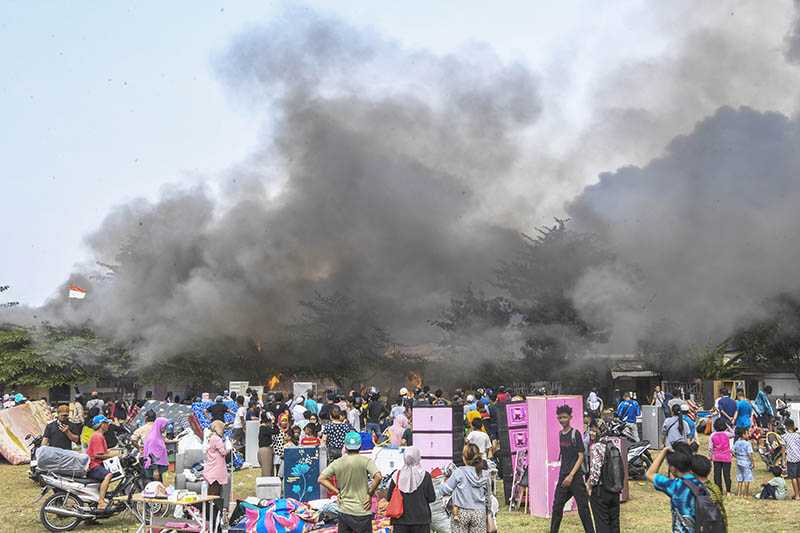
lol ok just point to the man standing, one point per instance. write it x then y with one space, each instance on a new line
238 423
570 479
628 411
61 433
141 433
727 408
98 452
95 402
763 407
605 499
357 479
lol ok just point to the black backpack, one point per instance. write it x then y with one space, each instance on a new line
612 475
708 516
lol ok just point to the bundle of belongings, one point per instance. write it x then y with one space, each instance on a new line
199 411
63 462
287 515
182 416
16 424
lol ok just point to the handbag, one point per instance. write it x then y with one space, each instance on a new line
395 507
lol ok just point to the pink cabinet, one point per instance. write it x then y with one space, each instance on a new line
518 439
517 414
430 464
543 449
432 419
434 445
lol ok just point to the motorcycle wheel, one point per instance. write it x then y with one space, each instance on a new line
54 522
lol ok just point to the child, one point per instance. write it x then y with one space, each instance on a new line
719 447
775 488
701 466
791 457
310 437
743 451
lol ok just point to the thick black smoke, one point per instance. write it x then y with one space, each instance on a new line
704 234
377 194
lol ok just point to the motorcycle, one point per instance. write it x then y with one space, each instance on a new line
75 499
34 443
639 458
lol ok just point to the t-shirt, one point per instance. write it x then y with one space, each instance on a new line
57 438
353 473
335 434
720 447
570 444
681 500
727 405
375 411
672 430
628 411
217 411
791 442
780 487
354 417
481 440
141 433
97 446
241 413
745 412
742 450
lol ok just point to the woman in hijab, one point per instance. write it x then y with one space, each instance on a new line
215 469
155 450
416 487
397 431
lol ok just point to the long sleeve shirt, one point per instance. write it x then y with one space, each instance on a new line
597 456
628 411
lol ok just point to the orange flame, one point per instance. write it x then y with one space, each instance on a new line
273 381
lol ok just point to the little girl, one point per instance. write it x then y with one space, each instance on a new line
719 447
743 451
310 437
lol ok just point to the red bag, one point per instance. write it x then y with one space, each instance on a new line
395 507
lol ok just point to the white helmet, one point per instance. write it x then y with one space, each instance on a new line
470 398
404 392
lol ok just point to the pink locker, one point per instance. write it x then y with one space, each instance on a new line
543 449
434 445
517 415
432 419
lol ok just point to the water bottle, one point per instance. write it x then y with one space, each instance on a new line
204 489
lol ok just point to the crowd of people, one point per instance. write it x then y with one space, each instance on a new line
340 422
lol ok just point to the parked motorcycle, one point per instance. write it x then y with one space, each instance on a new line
74 499
639 458
34 443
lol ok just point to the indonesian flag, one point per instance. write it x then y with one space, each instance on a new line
76 292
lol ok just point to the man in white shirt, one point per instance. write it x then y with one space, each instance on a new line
479 438
238 422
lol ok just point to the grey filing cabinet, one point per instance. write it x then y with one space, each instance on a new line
652 422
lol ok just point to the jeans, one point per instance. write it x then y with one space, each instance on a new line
605 507
723 471
374 427
577 490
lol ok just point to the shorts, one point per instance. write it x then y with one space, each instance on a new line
99 473
354 524
793 470
744 474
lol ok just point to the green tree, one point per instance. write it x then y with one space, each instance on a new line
22 363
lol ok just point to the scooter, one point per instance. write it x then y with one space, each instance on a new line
34 443
75 499
639 458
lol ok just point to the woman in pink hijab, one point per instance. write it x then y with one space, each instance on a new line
416 487
156 461
397 431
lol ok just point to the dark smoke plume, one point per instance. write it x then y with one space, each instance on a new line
703 234
383 158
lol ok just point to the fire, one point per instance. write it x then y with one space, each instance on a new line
273 382
414 380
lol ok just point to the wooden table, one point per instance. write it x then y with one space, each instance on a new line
148 521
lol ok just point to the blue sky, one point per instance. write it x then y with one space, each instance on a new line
102 102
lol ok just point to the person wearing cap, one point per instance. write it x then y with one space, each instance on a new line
470 404
61 433
217 410
357 479
98 452
19 398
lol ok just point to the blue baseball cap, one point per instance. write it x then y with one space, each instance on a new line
99 419
352 441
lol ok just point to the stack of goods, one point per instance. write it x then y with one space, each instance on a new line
199 411
15 424
181 416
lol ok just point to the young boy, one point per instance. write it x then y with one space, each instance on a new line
479 438
570 479
310 437
743 451
775 488
701 467
682 501
791 457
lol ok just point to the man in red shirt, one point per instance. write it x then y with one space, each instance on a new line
98 452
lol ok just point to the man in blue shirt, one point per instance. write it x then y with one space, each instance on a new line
727 408
763 407
682 500
628 411
744 412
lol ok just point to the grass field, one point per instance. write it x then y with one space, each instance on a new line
647 511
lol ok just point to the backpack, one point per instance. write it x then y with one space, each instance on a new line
612 475
708 516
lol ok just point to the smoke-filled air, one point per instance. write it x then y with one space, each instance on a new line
404 179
